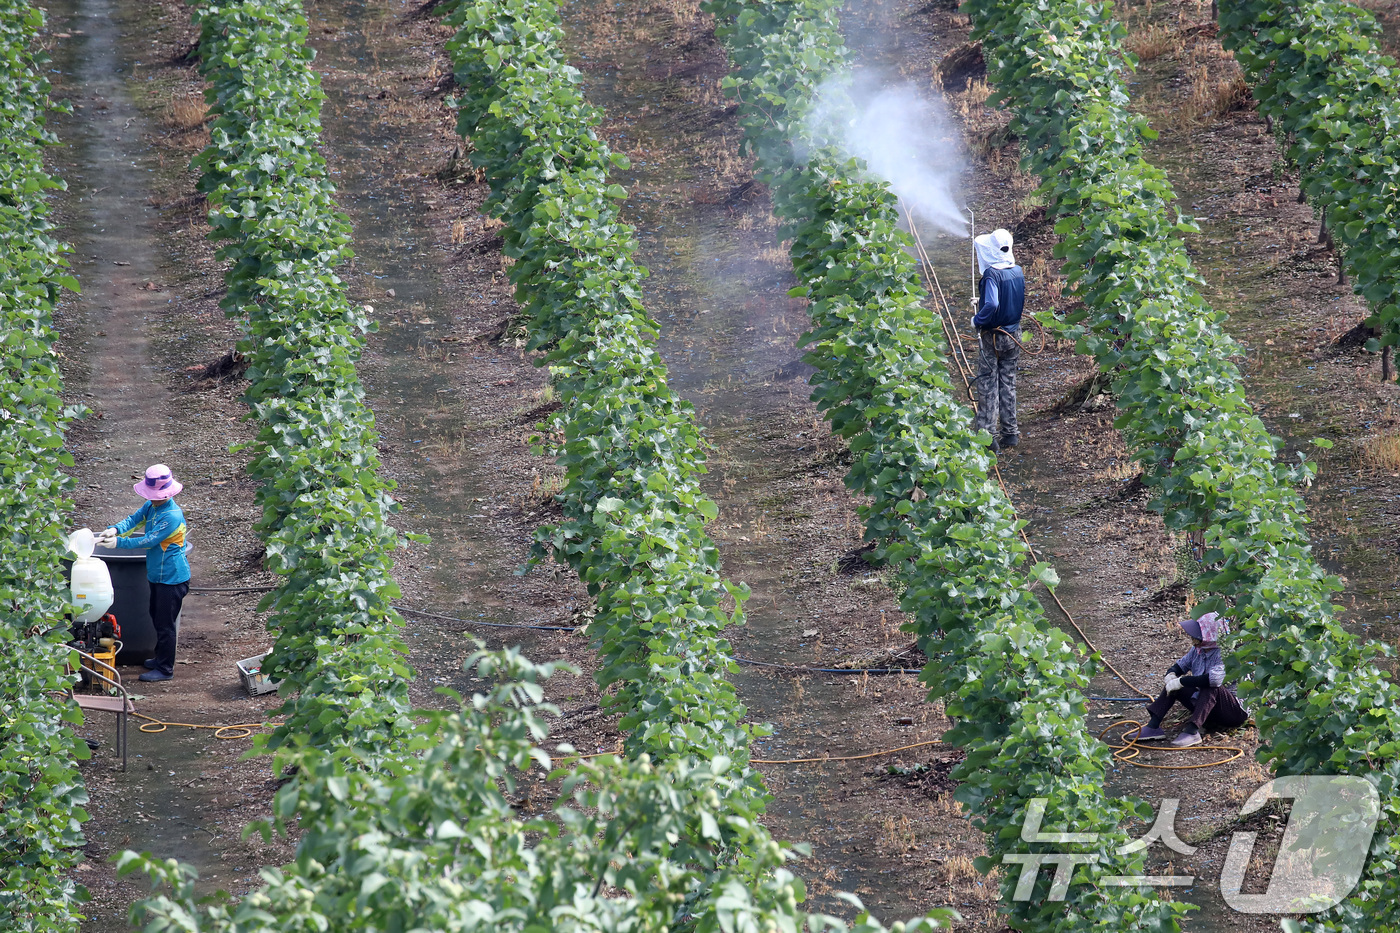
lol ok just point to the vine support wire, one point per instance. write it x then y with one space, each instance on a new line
946 316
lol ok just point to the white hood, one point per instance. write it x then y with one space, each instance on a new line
994 250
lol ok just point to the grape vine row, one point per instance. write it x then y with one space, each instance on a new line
325 506
41 790
634 514
1317 70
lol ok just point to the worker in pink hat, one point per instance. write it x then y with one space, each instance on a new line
167 567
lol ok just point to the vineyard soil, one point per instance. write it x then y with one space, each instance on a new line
457 400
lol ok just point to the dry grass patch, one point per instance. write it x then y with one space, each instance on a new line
1209 97
1381 452
973 886
186 112
971 102
544 488
1051 284
1246 781
1154 42
1231 93
897 836
944 805
960 868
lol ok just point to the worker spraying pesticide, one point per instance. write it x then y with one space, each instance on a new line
167 567
1001 296
1197 682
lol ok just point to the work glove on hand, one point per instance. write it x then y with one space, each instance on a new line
972 322
107 538
1172 683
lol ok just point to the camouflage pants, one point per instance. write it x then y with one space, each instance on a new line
996 382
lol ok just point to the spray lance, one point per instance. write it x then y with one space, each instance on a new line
972 224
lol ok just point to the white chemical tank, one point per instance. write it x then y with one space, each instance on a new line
91 582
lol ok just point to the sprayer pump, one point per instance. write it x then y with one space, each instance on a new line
98 635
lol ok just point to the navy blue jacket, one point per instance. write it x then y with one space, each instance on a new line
1002 299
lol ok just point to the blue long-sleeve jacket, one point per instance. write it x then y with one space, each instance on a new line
163 536
1002 298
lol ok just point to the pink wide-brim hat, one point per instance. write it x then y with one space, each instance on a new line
158 484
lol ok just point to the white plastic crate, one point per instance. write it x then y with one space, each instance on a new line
254 680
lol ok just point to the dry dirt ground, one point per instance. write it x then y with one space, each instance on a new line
457 399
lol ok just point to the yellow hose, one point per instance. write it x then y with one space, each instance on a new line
240 730
1129 750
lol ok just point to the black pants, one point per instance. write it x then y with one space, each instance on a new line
165 609
1214 709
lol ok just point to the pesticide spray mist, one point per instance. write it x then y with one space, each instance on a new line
903 137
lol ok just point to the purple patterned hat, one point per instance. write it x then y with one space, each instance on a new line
158 484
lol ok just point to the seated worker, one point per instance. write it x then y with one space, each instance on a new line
1197 682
